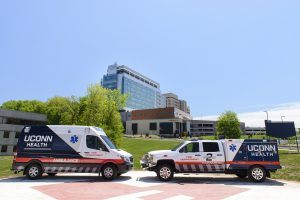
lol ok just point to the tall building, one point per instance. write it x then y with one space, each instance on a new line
143 92
183 106
11 124
173 101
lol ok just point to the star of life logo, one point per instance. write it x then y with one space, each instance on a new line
232 147
74 139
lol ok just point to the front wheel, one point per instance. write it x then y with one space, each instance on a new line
165 172
257 174
109 172
34 171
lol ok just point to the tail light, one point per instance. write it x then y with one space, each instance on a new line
15 155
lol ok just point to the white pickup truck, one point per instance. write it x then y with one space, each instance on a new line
252 158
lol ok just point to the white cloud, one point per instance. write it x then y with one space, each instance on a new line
291 111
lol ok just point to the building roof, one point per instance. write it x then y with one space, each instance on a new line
23 115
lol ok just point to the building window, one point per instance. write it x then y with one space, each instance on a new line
4 149
6 134
134 128
153 126
17 135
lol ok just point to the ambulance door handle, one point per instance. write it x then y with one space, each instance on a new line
198 155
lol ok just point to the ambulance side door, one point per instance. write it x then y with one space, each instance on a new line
94 147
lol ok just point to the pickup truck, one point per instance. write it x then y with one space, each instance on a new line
254 159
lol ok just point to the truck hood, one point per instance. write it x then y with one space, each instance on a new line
161 152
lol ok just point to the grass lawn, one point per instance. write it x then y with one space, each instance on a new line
140 146
5 166
291 166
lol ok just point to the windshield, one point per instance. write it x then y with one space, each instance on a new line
108 141
177 147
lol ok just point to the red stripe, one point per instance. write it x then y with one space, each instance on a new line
71 160
199 163
252 163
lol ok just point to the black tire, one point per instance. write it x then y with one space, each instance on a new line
241 175
109 172
257 174
51 174
165 172
119 174
34 171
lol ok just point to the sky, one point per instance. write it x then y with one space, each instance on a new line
218 55
284 112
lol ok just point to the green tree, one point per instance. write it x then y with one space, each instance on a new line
100 107
63 110
228 125
25 105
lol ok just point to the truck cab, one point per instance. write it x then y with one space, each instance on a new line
214 156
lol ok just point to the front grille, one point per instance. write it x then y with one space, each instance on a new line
131 159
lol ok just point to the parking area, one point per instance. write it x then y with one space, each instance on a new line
144 185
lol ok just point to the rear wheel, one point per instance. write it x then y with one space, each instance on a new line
165 172
257 174
34 171
109 172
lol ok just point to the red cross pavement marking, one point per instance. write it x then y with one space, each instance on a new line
106 190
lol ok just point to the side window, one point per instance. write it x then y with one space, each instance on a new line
190 148
210 147
93 142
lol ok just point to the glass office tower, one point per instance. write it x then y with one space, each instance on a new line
143 92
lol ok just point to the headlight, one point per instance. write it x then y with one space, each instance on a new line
126 159
150 158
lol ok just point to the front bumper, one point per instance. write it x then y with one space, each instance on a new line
147 166
125 167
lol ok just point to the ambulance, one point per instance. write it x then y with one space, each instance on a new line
254 159
68 149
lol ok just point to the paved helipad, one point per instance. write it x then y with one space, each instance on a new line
144 185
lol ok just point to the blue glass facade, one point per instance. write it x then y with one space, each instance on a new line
140 96
110 81
142 92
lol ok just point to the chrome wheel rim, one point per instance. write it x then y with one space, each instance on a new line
33 171
257 173
108 172
165 172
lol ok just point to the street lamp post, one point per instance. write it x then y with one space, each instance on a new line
267 115
282 118
267 121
